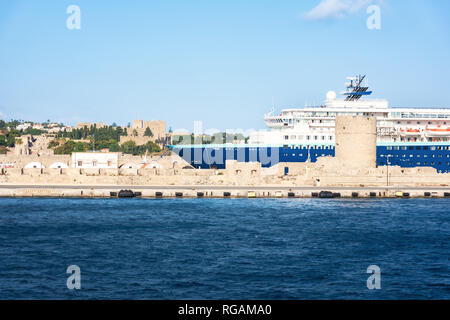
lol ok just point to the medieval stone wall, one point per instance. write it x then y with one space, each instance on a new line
356 141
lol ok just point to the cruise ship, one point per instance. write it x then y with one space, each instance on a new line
406 137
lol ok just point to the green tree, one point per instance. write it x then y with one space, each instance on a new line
53 144
152 147
80 147
10 141
129 147
148 132
2 141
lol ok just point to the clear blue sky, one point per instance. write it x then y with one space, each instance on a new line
222 62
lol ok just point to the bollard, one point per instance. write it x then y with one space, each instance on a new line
126 194
326 195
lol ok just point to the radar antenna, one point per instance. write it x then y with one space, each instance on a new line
355 89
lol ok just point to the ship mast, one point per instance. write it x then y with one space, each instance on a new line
355 89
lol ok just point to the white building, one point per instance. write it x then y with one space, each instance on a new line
95 160
23 126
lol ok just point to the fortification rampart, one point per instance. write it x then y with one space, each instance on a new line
354 165
356 141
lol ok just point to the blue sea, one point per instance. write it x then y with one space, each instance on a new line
224 248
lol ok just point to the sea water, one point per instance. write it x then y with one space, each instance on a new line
224 248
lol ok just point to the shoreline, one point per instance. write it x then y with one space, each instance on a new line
214 191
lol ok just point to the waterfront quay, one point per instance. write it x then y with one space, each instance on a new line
202 191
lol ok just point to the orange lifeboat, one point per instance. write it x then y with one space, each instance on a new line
437 131
410 132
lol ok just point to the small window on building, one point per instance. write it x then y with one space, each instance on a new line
80 163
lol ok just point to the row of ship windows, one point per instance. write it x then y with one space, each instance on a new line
417 156
419 148
420 122
429 139
425 163
309 147
290 121
323 138
284 147
293 148
419 115
312 154
396 156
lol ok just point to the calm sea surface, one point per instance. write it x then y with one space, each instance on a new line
224 248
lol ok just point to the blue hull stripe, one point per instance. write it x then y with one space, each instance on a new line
405 155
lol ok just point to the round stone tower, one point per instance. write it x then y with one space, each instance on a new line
356 141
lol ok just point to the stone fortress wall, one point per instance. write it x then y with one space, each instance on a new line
353 165
158 128
356 141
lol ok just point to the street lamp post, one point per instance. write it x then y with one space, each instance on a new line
387 164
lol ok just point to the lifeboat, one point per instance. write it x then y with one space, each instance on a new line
437 131
410 132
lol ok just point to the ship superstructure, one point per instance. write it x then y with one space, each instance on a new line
407 137
316 123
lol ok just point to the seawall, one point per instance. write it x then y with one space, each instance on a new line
223 191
